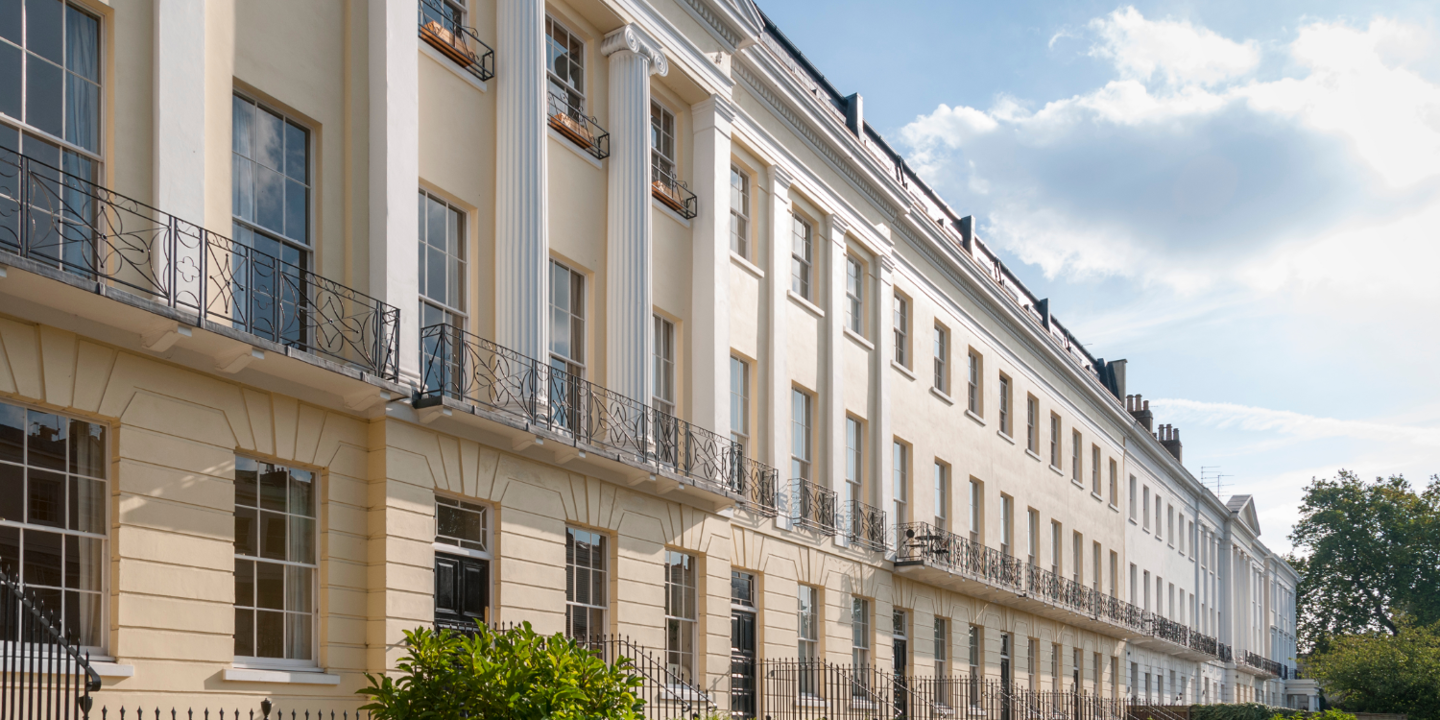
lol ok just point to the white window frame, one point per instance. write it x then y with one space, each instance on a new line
942 496
681 622
855 295
802 257
314 566
902 330
942 358
739 211
662 392
453 314
900 481
973 384
802 429
740 403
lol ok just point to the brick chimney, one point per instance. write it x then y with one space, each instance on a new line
1169 438
1140 410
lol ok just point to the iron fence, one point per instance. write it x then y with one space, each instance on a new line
812 506
43 672
441 27
464 366
268 711
569 119
72 225
668 695
864 525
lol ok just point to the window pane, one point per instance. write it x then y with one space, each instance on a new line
42 558
12 492
244 633
10 21
10 80
46 499
44 87
272 535
12 433
269 634
87 505
46 438
83 563
82 43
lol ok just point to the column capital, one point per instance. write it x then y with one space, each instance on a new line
632 39
780 179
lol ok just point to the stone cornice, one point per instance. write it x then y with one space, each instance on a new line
735 23
679 48
634 39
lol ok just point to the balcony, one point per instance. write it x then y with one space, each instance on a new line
811 506
864 526
944 558
65 228
1255 664
440 27
670 191
508 392
570 120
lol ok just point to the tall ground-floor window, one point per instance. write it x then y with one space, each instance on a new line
52 514
680 617
586 584
275 568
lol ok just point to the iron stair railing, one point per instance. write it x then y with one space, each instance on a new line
43 672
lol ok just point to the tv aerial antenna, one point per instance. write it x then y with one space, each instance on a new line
1211 474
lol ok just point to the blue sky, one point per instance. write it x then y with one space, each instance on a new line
1240 198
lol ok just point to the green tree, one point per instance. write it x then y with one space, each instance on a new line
1365 551
1381 672
516 674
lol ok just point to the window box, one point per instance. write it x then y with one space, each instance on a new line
675 196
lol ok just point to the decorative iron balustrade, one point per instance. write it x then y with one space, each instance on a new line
923 543
673 193
440 26
864 525
43 671
1226 654
464 366
1260 662
812 506
68 224
755 484
570 120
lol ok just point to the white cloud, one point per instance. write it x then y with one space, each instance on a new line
1292 424
1177 50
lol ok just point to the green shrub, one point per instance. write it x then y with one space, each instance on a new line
516 674
1240 711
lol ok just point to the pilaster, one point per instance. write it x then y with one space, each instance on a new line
777 376
832 443
395 170
883 455
179 109
634 57
522 241
710 267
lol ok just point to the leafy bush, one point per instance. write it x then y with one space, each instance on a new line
1331 714
1240 711
516 674
1383 673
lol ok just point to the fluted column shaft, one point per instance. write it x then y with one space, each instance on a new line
883 456
832 444
629 290
522 242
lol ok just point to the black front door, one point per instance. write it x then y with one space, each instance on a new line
742 664
462 591
902 688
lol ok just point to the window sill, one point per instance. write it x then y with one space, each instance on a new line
1132 521
941 394
746 265
1097 496
1005 436
1032 454
1115 507
662 207
971 414
572 147
859 339
809 306
450 65
903 370
1058 471
1077 483
112 670
287 677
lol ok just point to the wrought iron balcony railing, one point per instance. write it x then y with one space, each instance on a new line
440 26
70 224
923 543
864 525
1226 653
1259 662
570 120
467 367
756 485
669 190
812 506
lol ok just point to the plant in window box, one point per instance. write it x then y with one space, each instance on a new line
450 43
568 121
668 191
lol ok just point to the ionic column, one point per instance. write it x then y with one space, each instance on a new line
634 57
395 170
777 376
710 267
832 444
522 241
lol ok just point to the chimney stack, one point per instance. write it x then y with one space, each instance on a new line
967 233
1169 438
1140 410
855 115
